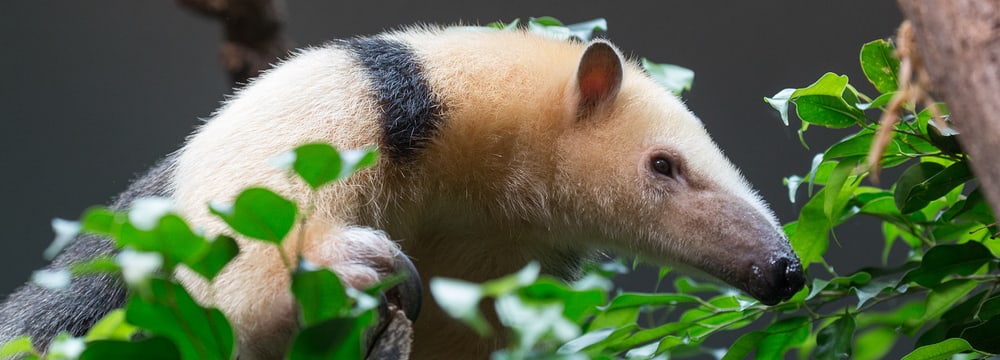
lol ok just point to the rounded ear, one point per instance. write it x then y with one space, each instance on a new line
598 77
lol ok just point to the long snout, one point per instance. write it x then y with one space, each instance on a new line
736 243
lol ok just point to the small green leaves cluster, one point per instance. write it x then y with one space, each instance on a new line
162 320
933 207
674 78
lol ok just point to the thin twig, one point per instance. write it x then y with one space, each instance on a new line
254 34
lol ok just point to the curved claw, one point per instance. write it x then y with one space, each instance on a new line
391 337
408 294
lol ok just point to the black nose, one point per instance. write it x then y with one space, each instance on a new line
782 279
787 274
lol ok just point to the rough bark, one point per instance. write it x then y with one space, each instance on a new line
254 36
959 43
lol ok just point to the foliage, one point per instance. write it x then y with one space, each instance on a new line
160 318
944 293
675 78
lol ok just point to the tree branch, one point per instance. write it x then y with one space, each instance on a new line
959 43
254 36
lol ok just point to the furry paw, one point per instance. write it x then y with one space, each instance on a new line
360 256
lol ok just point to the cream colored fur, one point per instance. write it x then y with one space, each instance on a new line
511 176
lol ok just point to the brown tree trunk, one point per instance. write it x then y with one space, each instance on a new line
959 43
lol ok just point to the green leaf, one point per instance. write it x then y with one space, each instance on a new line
881 205
102 221
317 164
894 317
199 333
215 256
171 237
874 344
744 345
336 338
531 322
880 65
723 311
810 239
320 294
97 265
940 300
66 231
546 21
166 235
153 348
943 260
889 234
839 188
828 111
260 214
908 145
871 290
64 347
927 181
500 25
780 102
943 139
941 350
792 182
822 103
111 327
856 279
973 209
965 311
597 340
674 78
669 342
614 318
646 335
834 340
819 171
585 30
818 285
629 300
911 178
985 336
782 336
549 26
990 308
687 285
576 303
356 159
880 101
829 84
16 346
513 282
460 299
855 145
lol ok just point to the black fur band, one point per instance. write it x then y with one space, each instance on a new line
410 113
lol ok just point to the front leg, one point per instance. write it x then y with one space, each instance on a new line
254 290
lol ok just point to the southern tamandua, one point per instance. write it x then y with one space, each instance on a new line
498 148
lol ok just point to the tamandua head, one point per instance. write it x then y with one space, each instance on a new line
663 189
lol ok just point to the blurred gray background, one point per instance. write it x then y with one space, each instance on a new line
94 92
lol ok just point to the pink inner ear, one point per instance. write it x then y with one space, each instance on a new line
594 85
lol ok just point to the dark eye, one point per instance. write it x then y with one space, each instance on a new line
663 166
